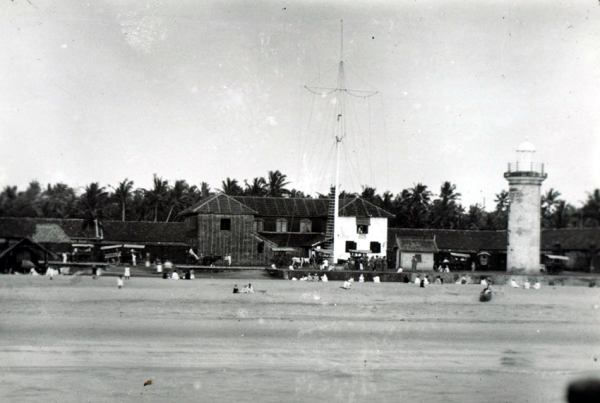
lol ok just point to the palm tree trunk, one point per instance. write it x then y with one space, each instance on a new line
169 216
123 212
156 212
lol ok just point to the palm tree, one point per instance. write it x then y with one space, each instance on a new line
230 187
548 205
123 193
92 203
258 187
445 208
591 209
58 201
370 194
158 195
417 199
276 184
178 197
205 190
8 198
502 201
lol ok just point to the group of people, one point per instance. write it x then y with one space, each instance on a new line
526 284
246 290
372 263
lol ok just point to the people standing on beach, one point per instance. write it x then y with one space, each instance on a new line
120 282
422 284
227 259
127 273
413 263
133 258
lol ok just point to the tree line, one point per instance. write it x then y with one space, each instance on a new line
415 207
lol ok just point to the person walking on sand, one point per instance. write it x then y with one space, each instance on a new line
127 273
120 282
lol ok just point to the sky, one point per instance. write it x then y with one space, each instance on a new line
201 91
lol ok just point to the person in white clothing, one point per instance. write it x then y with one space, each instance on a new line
537 285
127 273
526 284
324 278
120 282
417 280
347 285
133 258
174 275
513 283
361 279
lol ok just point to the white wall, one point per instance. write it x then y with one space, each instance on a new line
426 262
523 254
347 232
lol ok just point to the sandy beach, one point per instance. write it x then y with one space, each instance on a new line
76 339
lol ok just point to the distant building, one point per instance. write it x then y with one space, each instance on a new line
254 229
160 240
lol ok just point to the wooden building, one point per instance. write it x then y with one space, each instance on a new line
253 229
159 240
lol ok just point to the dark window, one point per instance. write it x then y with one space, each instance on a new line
305 225
225 224
350 245
362 229
375 247
260 247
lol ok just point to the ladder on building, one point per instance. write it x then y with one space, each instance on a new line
328 244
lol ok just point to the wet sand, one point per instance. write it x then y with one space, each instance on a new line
76 339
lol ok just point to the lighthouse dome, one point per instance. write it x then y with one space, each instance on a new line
526 147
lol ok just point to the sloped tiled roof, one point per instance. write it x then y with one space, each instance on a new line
284 207
50 233
454 240
219 204
116 231
357 207
571 238
289 207
293 239
417 245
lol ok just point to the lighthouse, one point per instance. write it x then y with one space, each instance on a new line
525 180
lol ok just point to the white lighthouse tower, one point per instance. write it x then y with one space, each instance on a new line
525 180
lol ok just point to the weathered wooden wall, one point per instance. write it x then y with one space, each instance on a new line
238 241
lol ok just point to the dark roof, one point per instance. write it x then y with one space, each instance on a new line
293 239
571 238
453 240
417 245
24 243
219 204
284 207
357 207
54 230
472 241
50 233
